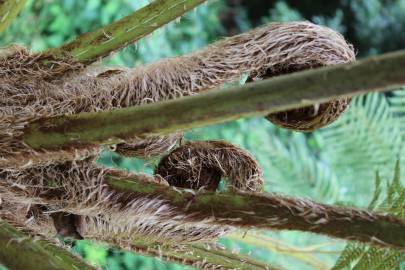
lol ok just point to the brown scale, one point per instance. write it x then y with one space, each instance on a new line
201 164
208 177
310 118
307 118
31 90
148 148
77 184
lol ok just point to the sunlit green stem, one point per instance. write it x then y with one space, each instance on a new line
201 257
20 251
92 46
9 9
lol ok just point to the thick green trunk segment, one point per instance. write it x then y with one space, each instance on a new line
92 46
20 251
201 257
273 212
378 73
9 9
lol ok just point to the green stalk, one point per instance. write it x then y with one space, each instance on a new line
9 9
377 73
92 46
274 212
279 247
20 251
201 257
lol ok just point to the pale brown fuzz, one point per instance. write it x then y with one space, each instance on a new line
83 205
201 164
68 183
31 90
149 148
310 118
302 46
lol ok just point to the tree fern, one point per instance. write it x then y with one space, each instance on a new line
368 137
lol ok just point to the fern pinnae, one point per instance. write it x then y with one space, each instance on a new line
377 192
375 141
349 256
359 256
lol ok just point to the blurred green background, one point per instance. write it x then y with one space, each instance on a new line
334 165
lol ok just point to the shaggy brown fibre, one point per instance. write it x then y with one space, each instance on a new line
73 199
312 117
317 48
271 48
18 65
152 147
63 191
201 164
30 196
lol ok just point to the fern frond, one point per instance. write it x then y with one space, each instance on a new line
368 137
349 256
362 257
377 192
295 162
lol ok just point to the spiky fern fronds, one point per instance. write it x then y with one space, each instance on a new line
359 256
368 137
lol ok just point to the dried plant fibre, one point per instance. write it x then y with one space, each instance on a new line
38 187
148 148
201 164
318 47
74 200
310 118
79 188
30 94
79 193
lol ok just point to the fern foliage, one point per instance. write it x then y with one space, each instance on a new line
369 137
361 257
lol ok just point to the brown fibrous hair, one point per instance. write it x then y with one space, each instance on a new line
37 184
78 192
272 49
201 164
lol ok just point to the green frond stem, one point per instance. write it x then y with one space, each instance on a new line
273 212
201 257
279 247
254 99
9 9
20 251
92 46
